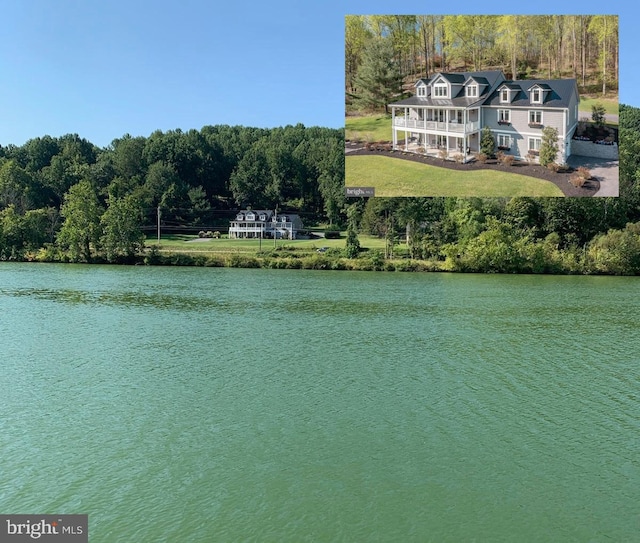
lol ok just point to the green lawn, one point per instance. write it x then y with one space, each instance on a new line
369 128
611 106
185 243
397 177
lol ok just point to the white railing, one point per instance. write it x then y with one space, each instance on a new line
436 125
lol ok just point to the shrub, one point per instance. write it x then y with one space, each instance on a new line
442 153
459 158
584 173
216 234
500 156
242 261
208 234
577 180
201 234
553 166
482 158
508 160
332 234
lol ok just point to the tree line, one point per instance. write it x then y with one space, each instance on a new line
69 192
407 47
66 199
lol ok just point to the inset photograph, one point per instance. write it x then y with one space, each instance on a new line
482 105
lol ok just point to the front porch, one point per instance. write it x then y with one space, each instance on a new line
456 148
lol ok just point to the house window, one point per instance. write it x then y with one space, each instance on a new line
504 141
535 144
263 217
536 96
472 91
440 91
504 116
535 117
422 91
504 95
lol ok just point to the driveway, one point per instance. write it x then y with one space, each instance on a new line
605 171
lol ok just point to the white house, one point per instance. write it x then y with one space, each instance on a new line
252 223
449 111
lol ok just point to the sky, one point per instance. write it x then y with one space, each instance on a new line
104 69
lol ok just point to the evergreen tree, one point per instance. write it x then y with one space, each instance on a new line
352 247
549 147
487 142
378 80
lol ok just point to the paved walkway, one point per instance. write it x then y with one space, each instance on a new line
606 171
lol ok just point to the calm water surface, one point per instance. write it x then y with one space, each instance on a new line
196 405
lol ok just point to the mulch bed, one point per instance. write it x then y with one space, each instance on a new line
560 179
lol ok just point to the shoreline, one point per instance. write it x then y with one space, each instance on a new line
372 263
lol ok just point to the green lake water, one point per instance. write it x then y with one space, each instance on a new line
214 404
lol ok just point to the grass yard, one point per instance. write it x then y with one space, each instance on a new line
397 177
192 244
610 105
369 128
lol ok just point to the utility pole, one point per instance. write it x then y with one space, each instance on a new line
158 210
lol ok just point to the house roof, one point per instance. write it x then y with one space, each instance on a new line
559 92
267 212
488 78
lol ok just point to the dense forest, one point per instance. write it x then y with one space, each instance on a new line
69 192
385 54
66 199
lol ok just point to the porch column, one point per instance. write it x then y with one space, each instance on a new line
406 132
394 131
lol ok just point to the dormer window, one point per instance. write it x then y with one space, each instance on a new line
536 96
504 95
472 91
440 90
422 91
262 217
251 217
240 217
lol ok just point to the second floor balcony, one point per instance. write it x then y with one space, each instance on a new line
436 126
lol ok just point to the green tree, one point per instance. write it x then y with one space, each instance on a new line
121 222
80 232
549 146
617 252
16 186
11 234
487 142
352 246
378 80
597 114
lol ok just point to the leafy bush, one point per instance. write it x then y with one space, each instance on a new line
332 234
482 158
459 158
